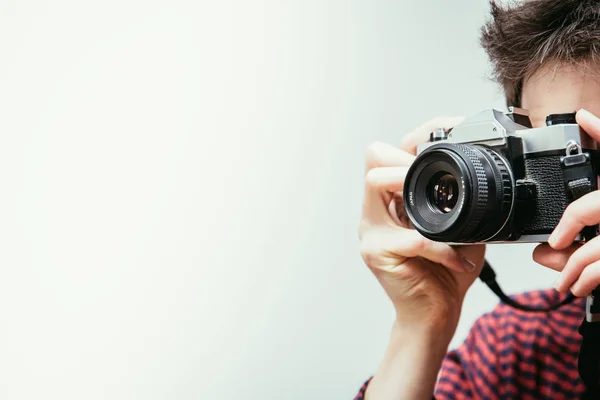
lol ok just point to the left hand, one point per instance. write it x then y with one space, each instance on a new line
580 264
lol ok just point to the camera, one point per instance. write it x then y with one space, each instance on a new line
494 178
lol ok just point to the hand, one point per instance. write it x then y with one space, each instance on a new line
425 280
580 264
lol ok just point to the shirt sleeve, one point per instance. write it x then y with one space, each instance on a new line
363 389
470 370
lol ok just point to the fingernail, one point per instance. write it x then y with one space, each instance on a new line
558 282
554 236
584 111
468 265
586 114
575 290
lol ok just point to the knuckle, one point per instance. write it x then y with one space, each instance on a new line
406 139
575 260
372 153
579 216
575 212
424 243
569 214
436 121
371 178
421 244
368 250
363 228
445 121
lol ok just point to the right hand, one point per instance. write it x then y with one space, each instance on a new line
425 280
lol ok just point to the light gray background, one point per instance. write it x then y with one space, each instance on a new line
181 188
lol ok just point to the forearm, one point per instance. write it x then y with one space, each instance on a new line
410 366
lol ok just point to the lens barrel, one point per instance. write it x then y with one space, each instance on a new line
458 193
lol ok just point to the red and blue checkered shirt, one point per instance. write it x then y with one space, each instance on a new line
511 354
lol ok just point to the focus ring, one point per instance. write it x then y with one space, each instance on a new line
507 187
504 188
481 195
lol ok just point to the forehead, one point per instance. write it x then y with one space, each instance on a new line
561 89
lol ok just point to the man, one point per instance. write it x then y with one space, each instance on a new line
546 56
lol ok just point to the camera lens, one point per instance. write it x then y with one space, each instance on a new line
458 193
442 192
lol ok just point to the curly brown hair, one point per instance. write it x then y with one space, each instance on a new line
523 37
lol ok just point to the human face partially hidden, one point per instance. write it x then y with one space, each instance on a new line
553 90
559 89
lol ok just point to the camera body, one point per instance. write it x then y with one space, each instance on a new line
494 178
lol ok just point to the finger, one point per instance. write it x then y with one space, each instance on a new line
588 281
398 212
396 204
579 214
416 245
390 179
380 183
475 254
421 134
385 155
589 123
553 259
584 256
401 243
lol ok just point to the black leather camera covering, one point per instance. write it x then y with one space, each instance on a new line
551 199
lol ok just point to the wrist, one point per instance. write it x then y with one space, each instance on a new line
438 322
411 364
428 344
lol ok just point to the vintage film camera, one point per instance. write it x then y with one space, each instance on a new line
494 178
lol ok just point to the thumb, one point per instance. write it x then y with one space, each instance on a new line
476 255
589 123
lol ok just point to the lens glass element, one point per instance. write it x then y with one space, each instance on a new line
442 192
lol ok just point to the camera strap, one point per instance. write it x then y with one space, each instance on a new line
580 178
488 276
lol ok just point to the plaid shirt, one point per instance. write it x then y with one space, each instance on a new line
511 354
